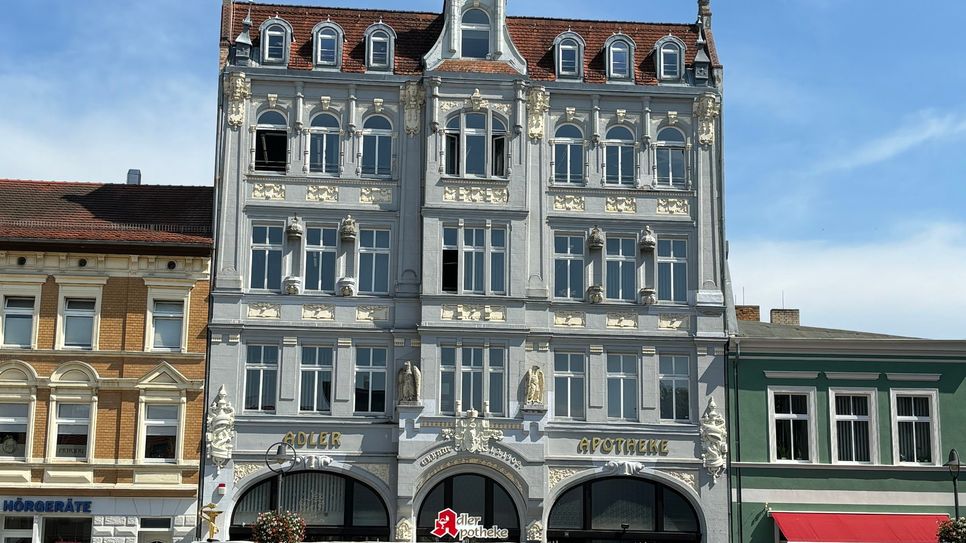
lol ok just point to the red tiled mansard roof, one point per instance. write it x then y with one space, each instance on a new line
98 214
417 32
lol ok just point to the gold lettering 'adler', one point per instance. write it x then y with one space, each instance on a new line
314 440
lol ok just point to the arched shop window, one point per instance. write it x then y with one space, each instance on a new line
475 495
625 509
335 507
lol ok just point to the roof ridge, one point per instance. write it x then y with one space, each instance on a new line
99 183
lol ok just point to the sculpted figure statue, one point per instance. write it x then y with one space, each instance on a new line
535 386
407 383
221 429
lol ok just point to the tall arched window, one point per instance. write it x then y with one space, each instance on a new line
324 144
622 509
334 507
271 142
476 34
568 154
475 495
671 158
619 156
377 146
467 151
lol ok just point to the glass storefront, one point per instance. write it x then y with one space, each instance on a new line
474 495
66 530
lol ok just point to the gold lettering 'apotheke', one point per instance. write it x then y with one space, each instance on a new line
314 440
621 445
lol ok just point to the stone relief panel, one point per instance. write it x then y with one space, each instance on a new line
673 206
379 470
477 195
556 475
268 191
571 319
239 90
621 320
673 322
244 470
620 204
375 195
468 312
568 202
372 313
686 477
264 310
322 193
318 312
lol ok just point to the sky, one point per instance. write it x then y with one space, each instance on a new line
845 125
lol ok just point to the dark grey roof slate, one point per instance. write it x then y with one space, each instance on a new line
767 330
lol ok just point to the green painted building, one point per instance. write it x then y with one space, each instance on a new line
853 424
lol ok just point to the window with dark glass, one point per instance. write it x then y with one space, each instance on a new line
13 429
568 385
66 529
914 420
671 151
621 267
568 261
672 270
568 155
168 324
475 34
852 427
160 432
472 376
328 48
474 260
377 146
266 262
791 427
79 316
674 376
271 142
316 386
373 261
622 386
370 394
320 256
73 430
261 377
620 156
475 495
324 142
467 152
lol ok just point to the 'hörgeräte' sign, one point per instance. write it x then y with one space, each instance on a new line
463 526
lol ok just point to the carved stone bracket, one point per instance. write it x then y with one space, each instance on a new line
413 97
714 440
405 531
707 107
538 102
471 433
220 433
556 475
239 90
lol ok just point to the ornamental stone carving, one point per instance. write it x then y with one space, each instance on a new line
596 238
239 90
595 294
244 470
471 433
556 475
707 107
570 319
568 202
476 195
538 102
686 477
408 382
620 204
318 312
272 100
372 313
648 296
412 97
349 229
404 530
322 193
295 228
624 467
220 433
292 285
469 312
534 386
535 531
648 240
673 322
379 470
621 320
375 195
476 101
673 206
268 191
264 310
714 440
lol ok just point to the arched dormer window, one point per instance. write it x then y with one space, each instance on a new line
271 142
328 45
324 144
620 58
475 30
476 145
568 155
380 48
569 53
377 146
670 57
619 157
276 35
671 158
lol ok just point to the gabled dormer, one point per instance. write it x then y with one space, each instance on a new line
475 30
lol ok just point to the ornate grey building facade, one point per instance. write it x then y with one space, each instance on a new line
472 264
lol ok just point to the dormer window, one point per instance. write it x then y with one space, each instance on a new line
670 53
276 34
620 58
476 34
380 41
570 56
328 45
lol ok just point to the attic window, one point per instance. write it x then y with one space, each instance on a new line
619 60
274 44
328 46
380 47
476 34
568 57
670 61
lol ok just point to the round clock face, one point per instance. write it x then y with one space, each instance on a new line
8 445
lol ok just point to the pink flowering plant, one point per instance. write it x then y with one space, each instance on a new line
952 531
281 527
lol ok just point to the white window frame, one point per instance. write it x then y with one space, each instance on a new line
323 133
261 366
464 26
622 259
568 44
79 287
662 51
163 291
378 133
29 402
324 27
671 147
483 371
569 376
487 251
812 423
569 143
316 369
490 134
374 251
259 127
75 396
934 422
387 400
21 290
623 376
872 419
381 36
267 246
333 249
21 392
612 74
674 377
274 28
619 144
674 260
157 398
570 257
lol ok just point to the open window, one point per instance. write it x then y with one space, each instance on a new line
468 152
475 31
271 142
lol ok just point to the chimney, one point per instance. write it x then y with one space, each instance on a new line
788 317
748 312
133 177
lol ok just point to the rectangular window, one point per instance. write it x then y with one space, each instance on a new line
79 322
453 154
324 152
622 386
18 321
320 256
568 385
266 257
168 322
852 427
327 48
374 261
474 252
791 430
674 376
568 60
276 46
914 420
621 269
479 373
380 53
465 260
261 377
671 171
377 153
619 164
161 432
568 267
73 429
271 149
568 162
316 389
672 270
13 429
370 380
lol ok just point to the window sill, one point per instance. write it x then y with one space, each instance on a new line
448 178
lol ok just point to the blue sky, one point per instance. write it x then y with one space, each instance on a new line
845 132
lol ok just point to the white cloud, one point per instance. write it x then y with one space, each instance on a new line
910 285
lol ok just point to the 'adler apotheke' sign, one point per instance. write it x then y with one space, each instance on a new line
463 526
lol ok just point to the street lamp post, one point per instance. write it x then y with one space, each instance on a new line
280 458
954 465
